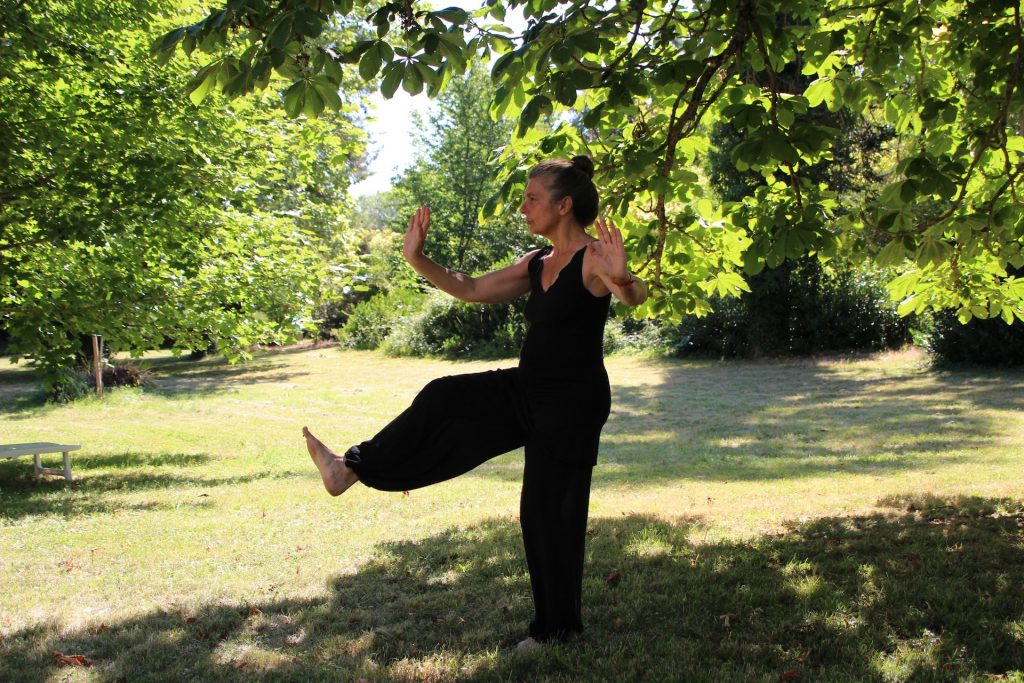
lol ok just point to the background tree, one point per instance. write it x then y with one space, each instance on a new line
455 172
129 212
648 74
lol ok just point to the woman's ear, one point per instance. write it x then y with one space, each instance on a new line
565 206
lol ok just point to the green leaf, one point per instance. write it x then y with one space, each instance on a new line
412 81
892 254
314 103
565 91
203 83
821 90
532 111
501 64
393 74
933 252
328 92
295 98
282 33
370 63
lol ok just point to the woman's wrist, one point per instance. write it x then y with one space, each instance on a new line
625 281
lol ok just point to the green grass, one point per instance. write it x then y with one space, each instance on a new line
828 520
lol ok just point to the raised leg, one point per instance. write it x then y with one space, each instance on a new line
336 475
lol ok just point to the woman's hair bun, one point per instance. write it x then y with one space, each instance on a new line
585 164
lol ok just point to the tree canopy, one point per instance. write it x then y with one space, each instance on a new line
129 212
636 83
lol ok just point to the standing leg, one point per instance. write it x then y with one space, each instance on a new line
553 514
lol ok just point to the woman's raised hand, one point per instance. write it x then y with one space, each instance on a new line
608 249
416 235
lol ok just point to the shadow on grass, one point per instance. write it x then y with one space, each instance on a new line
174 377
102 482
752 421
932 591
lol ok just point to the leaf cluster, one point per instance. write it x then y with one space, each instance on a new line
637 84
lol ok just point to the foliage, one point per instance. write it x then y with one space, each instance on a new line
647 75
802 306
798 309
371 321
129 212
644 337
455 172
457 329
985 342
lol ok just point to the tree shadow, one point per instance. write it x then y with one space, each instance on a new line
173 377
757 421
96 489
932 591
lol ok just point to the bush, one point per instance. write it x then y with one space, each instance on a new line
453 328
630 336
65 385
798 309
985 342
371 321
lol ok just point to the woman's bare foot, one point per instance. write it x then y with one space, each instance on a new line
337 476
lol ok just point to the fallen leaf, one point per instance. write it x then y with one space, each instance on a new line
790 675
190 620
613 579
255 611
101 628
70 660
405 493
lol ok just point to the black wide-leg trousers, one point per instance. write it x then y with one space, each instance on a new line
456 423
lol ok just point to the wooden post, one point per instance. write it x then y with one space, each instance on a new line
97 363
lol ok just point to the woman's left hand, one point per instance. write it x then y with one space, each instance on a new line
608 250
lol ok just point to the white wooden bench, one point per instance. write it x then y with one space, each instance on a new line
16 450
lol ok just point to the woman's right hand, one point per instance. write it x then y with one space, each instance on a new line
416 235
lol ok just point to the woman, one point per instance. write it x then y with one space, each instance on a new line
554 403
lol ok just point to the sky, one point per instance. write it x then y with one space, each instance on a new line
391 138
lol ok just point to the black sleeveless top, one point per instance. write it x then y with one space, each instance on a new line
565 332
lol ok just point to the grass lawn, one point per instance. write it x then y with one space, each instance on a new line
830 520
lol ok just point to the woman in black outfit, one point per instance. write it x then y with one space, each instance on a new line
554 403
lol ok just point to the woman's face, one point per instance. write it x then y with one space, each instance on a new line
542 214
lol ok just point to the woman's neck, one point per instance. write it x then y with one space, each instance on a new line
569 238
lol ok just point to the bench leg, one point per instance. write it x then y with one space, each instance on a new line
67 466
37 465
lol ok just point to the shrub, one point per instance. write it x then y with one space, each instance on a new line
371 321
630 336
797 309
453 328
65 385
985 342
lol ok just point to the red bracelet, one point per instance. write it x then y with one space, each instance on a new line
625 283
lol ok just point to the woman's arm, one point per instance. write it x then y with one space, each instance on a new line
492 288
608 265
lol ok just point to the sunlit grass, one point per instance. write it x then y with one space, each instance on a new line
733 499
